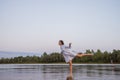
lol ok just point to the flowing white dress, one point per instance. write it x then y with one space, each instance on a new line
67 53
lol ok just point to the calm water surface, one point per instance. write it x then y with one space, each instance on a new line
59 71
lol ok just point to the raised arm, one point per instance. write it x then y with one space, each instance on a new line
68 46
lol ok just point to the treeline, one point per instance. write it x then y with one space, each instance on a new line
99 57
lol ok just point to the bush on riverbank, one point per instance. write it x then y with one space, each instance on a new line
99 57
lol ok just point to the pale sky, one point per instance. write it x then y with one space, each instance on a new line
38 25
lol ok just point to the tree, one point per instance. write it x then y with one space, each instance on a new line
99 57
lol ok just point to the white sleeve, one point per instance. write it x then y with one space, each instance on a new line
68 47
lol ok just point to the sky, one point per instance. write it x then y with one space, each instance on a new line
38 25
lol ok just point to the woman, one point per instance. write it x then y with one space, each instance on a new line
69 54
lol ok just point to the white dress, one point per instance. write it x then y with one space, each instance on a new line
67 53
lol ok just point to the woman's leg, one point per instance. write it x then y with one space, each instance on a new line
81 55
70 65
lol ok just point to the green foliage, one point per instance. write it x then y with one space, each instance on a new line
99 57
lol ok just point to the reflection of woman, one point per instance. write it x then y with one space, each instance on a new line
69 77
70 54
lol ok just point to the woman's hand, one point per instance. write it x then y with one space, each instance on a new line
70 45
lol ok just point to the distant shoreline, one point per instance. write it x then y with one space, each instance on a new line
99 57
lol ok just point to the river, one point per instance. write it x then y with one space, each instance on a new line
59 71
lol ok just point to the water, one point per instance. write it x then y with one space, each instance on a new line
59 71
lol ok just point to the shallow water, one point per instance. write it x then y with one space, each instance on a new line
59 71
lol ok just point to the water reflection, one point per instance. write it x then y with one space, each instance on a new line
69 77
59 72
